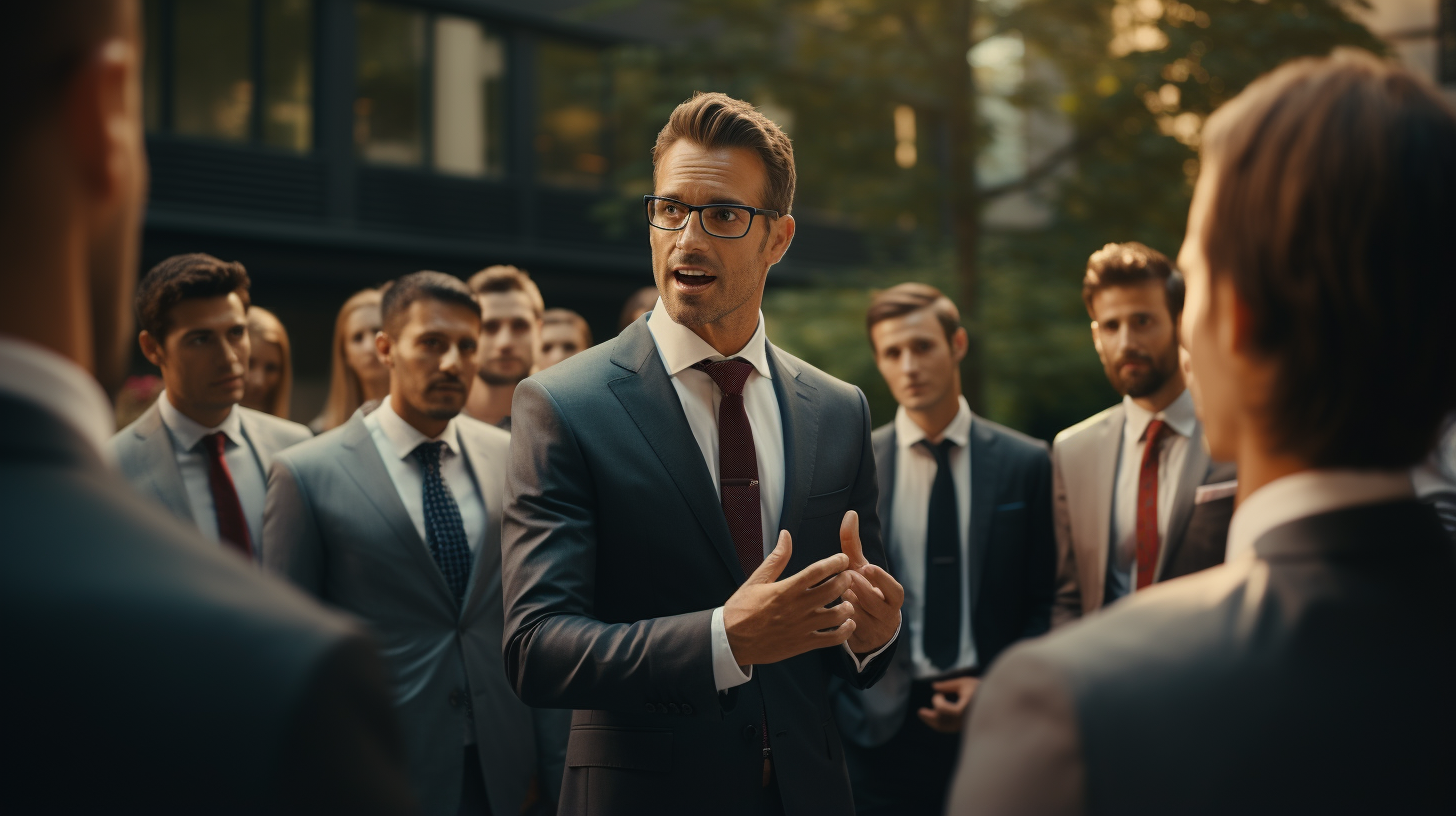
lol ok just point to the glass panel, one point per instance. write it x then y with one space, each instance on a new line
388 112
288 74
570 96
469 74
152 64
212 90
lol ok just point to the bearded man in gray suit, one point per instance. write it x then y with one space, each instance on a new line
196 451
396 518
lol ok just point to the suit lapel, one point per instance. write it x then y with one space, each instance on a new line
886 452
490 484
160 461
1104 477
985 476
799 410
1196 465
257 439
648 397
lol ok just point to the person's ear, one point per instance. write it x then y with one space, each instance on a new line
959 343
104 122
151 349
384 346
1096 338
781 234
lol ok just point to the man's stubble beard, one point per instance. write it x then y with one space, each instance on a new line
493 379
1160 370
701 313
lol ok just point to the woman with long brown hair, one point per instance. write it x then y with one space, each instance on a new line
359 376
270 368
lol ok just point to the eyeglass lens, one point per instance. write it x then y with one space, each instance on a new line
723 222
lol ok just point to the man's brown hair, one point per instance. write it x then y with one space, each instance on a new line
1334 193
1131 264
185 277
566 317
502 278
904 298
716 120
424 285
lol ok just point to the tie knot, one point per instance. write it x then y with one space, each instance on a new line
940 450
1156 430
429 453
730 375
215 444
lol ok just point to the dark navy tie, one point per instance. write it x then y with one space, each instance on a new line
942 611
444 529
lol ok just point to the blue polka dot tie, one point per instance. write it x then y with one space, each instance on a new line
444 529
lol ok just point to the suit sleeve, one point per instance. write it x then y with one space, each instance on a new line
552 728
557 654
1041 571
1021 751
1067 605
292 546
344 753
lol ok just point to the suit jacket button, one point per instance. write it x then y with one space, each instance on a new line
750 733
687 709
674 708
651 708
455 699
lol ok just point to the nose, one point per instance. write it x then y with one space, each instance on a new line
693 235
908 363
451 360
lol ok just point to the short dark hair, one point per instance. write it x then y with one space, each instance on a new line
566 317
193 276
1331 212
904 298
508 279
1131 264
423 286
718 120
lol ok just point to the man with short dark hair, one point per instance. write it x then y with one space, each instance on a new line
510 338
966 506
197 451
145 671
1124 481
395 517
1312 672
660 485
564 334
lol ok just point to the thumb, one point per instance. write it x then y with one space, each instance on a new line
773 566
849 540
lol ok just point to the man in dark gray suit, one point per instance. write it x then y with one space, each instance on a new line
967 511
662 482
396 518
145 670
196 451
1312 672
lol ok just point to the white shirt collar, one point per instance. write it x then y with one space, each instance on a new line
907 433
1179 415
680 347
55 383
403 437
1310 493
188 431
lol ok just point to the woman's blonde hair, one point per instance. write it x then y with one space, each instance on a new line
265 326
346 393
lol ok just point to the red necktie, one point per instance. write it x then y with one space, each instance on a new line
737 462
232 525
1147 505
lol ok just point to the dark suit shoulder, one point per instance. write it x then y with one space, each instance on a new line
1013 439
829 385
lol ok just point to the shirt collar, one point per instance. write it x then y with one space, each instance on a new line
1179 415
907 433
403 437
680 347
54 382
188 431
1310 493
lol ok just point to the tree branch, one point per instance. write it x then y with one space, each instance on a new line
1044 168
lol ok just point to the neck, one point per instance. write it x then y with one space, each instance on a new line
1163 397
48 298
376 388
207 416
490 403
1258 466
936 418
429 426
729 335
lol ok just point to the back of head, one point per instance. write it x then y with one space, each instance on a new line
566 317
716 120
1330 209
641 301
185 277
906 298
419 286
501 278
1131 264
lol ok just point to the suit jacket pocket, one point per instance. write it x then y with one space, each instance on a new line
634 749
826 503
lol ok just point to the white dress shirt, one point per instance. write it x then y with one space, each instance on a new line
1181 422
915 473
679 349
63 389
1309 493
396 441
249 479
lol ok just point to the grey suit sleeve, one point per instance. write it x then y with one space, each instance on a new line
557 653
1067 605
292 546
1021 751
1041 573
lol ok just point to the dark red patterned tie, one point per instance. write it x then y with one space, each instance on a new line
232 525
737 462
1147 505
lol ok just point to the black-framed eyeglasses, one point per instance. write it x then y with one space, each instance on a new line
718 220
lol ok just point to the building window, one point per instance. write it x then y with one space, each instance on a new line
231 70
429 91
1446 42
570 100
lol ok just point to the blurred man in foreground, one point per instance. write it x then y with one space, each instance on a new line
966 506
146 670
1311 673
510 337
564 334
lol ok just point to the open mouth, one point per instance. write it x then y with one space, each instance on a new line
691 281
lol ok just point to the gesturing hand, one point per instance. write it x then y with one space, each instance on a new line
875 594
947 710
768 620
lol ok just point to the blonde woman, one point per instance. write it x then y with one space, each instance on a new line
270 368
359 376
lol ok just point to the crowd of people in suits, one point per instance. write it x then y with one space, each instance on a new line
506 571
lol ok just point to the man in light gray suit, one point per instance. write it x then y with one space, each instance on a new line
1123 481
396 518
195 450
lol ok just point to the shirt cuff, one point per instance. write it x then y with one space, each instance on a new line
726 671
859 665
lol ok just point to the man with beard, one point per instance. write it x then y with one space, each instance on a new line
510 336
395 517
1124 481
